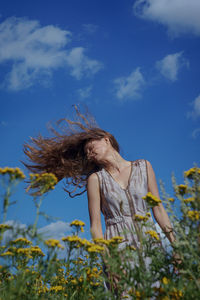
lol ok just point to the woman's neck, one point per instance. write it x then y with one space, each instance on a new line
115 162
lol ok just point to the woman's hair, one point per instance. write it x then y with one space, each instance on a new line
63 154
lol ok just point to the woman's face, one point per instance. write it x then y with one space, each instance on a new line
96 149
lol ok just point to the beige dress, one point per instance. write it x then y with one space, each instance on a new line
118 205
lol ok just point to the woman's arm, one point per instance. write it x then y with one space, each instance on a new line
159 212
93 194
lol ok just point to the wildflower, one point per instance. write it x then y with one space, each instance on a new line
165 280
85 242
132 248
72 239
153 234
53 243
190 173
14 173
21 241
42 183
151 199
141 217
193 215
101 241
95 248
74 281
116 239
181 189
7 253
25 252
36 251
171 199
56 288
188 200
5 226
176 294
78 224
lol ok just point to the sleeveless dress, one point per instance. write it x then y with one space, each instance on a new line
118 205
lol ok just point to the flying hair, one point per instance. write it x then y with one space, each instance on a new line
63 153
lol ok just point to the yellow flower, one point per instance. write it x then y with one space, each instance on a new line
116 239
153 234
53 243
181 189
72 238
193 215
7 253
57 288
85 242
171 199
190 173
132 248
42 183
188 200
101 241
5 226
165 280
151 199
74 281
37 251
24 251
14 173
77 223
95 248
22 241
177 294
141 217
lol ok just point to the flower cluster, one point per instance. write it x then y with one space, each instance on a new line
21 240
14 173
5 227
194 215
181 189
153 234
42 183
152 200
53 243
142 218
78 224
191 172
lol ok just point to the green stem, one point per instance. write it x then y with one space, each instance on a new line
37 216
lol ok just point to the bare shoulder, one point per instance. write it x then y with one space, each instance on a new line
92 178
148 163
93 181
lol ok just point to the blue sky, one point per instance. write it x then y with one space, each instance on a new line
135 64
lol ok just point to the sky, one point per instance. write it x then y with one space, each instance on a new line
134 64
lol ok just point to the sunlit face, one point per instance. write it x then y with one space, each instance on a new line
96 149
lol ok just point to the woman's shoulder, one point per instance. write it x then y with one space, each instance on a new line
139 161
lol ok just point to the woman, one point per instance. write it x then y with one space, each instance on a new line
88 157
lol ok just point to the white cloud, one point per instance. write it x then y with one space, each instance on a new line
81 64
195 113
180 16
130 86
90 28
55 230
170 65
34 52
195 133
85 92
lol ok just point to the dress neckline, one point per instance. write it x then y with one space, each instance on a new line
129 179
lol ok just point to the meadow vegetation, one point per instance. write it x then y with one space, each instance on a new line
31 268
